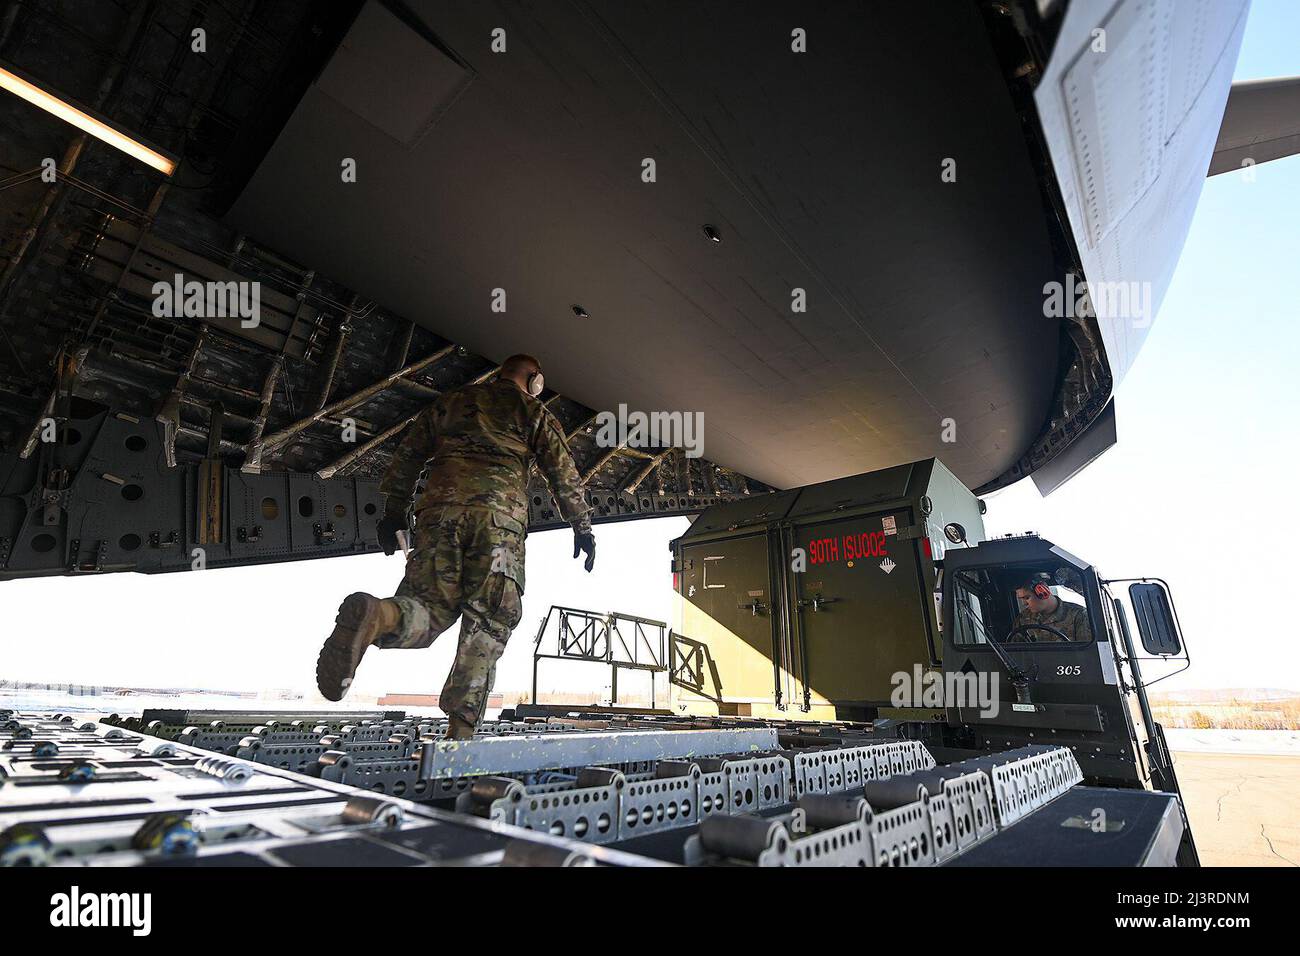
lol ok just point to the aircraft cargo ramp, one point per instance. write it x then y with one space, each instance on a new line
230 788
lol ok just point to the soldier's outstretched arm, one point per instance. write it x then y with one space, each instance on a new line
555 462
398 483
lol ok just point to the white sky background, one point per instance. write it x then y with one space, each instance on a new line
1201 490
259 628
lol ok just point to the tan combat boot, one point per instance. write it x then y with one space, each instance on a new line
458 729
362 619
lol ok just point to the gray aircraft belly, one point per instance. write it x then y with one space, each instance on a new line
523 171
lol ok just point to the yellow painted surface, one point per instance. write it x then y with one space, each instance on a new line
745 672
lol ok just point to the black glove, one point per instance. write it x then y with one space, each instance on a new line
387 528
585 541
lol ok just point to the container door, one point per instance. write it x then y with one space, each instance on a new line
729 607
861 607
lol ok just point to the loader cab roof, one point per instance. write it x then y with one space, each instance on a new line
1026 549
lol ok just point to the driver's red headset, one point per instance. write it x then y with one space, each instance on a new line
1040 584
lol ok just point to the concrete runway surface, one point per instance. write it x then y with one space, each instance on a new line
1242 807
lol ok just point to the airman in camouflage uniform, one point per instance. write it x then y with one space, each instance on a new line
474 447
1049 611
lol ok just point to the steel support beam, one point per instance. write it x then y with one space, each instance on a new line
253 451
361 451
490 755
273 442
644 473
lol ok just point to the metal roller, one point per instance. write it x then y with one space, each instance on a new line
523 853
428 750
488 790
365 810
24 844
334 758
933 780
893 792
666 769
225 769
168 833
600 777
556 776
79 772
824 811
741 837
167 749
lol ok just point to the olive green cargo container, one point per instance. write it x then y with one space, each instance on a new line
807 602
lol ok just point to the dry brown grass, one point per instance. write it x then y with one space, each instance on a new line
1283 714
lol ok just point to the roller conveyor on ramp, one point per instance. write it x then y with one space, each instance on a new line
382 789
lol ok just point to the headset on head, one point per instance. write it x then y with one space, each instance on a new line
1040 585
536 382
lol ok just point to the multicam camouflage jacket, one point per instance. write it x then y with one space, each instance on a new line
475 446
1070 619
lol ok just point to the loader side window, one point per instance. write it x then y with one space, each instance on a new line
973 607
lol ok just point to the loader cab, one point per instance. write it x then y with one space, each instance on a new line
1021 605
1050 644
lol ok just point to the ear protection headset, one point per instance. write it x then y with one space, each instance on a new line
1038 583
536 382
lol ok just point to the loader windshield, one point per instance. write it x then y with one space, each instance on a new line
1020 606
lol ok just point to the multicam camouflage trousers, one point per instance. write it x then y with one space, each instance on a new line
466 563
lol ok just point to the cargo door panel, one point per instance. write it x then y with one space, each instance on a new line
860 605
728 582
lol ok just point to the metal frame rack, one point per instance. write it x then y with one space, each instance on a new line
620 641
331 789
78 792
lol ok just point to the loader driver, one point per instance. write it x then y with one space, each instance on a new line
475 445
1046 618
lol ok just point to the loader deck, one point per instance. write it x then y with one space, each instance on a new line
236 788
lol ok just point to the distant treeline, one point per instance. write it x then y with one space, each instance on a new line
1231 714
